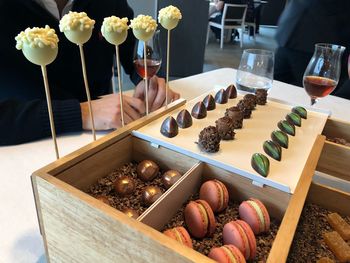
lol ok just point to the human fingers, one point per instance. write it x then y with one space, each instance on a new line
129 110
137 104
140 90
160 98
152 90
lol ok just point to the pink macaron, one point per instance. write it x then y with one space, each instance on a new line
180 234
239 234
255 214
199 218
215 193
227 254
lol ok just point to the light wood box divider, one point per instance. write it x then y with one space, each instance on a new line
335 158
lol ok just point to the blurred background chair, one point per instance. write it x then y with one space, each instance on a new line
233 18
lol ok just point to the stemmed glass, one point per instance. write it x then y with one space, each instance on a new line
153 59
323 71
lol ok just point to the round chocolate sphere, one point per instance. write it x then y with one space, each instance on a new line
170 177
151 194
131 213
103 199
124 186
147 170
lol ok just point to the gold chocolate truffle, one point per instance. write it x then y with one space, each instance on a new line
151 194
131 213
170 177
147 170
124 186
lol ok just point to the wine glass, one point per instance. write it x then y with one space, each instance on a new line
255 70
323 71
147 67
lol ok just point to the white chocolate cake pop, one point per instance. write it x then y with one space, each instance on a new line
115 29
169 17
77 27
39 45
143 27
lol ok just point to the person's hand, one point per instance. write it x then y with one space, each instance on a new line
107 113
156 93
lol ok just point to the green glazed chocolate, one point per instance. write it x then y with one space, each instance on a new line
300 111
294 118
273 150
280 138
260 164
286 127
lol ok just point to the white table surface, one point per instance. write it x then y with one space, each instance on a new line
20 240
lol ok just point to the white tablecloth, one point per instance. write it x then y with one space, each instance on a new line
20 240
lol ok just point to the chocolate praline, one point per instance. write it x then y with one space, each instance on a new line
169 127
251 98
209 102
124 186
199 111
225 128
131 213
236 116
209 139
170 177
261 96
147 170
231 91
150 194
184 119
221 96
246 108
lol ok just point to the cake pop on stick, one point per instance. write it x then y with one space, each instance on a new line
115 31
39 46
168 17
143 28
77 27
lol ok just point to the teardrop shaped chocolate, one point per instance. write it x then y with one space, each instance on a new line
184 119
260 164
280 138
273 150
300 111
221 97
293 118
286 127
209 102
231 91
199 111
169 127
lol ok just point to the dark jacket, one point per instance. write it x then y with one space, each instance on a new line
23 109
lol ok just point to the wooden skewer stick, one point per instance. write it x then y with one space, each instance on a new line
82 57
146 75
167 69
49 106
120 85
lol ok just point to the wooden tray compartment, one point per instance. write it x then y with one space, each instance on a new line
335 158
239 188
330 199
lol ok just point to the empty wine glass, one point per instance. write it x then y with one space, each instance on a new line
323 71
255 70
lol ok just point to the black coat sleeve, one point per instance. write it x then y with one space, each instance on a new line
24 121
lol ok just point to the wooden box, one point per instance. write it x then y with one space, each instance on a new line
76 227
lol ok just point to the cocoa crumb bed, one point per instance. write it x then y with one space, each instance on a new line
340 141
308 244
104 186
264 241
